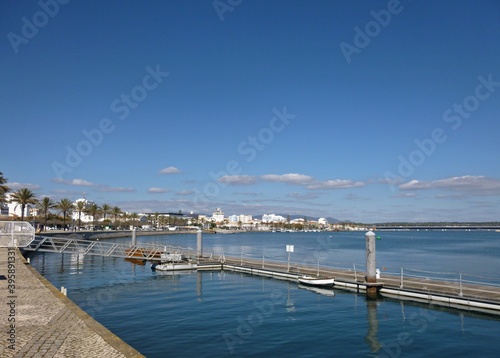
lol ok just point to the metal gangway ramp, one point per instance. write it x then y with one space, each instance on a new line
66 245
16 234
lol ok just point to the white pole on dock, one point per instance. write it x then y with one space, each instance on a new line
199 243
133 237
371 275
370 257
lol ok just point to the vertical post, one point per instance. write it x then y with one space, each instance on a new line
355 275
370 257
401 281
370 278
289 249
133 237
199 243
262 258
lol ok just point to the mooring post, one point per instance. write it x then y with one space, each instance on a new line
370 278
133 237
199 243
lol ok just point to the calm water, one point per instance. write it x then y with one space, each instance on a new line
215 314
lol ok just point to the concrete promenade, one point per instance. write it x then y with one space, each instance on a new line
37 320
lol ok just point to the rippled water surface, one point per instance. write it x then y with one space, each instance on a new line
215 314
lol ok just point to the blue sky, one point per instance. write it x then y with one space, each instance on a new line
370 111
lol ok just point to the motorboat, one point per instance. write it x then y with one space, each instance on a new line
173 262
174 266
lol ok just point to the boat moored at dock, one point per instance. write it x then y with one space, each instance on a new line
316 280
173 262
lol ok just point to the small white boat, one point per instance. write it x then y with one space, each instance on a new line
174 266
316 280
173 262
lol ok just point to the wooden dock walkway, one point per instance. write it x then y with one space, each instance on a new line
477 297
39 321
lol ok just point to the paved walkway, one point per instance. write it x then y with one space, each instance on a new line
38 321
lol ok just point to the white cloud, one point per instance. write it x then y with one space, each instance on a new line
169 170
185 192
157 190
238 179
475 185
291 178
74 182
335 184
16 186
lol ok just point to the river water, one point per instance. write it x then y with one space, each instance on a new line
218 314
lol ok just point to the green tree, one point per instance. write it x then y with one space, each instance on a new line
23 197
134 217
125 217
45 205
116 211
4 189
80 207
94 210
65 207
105 210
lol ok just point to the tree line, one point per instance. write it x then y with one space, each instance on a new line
46 206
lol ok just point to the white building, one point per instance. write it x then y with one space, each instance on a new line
323 222
272 218
84 217
218 215
15 209
244 219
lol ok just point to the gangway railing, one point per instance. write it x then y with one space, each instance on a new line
63 245
16 234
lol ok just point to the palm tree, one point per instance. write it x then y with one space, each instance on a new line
116 211
125 216
23 197
3 189
94 210
80 206
65 206
134 216
105 210
45 205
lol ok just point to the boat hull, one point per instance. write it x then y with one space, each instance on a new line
316 281
171 266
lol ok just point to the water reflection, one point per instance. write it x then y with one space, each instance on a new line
372 334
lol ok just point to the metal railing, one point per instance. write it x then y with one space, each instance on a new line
16 233
454 283
144 251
